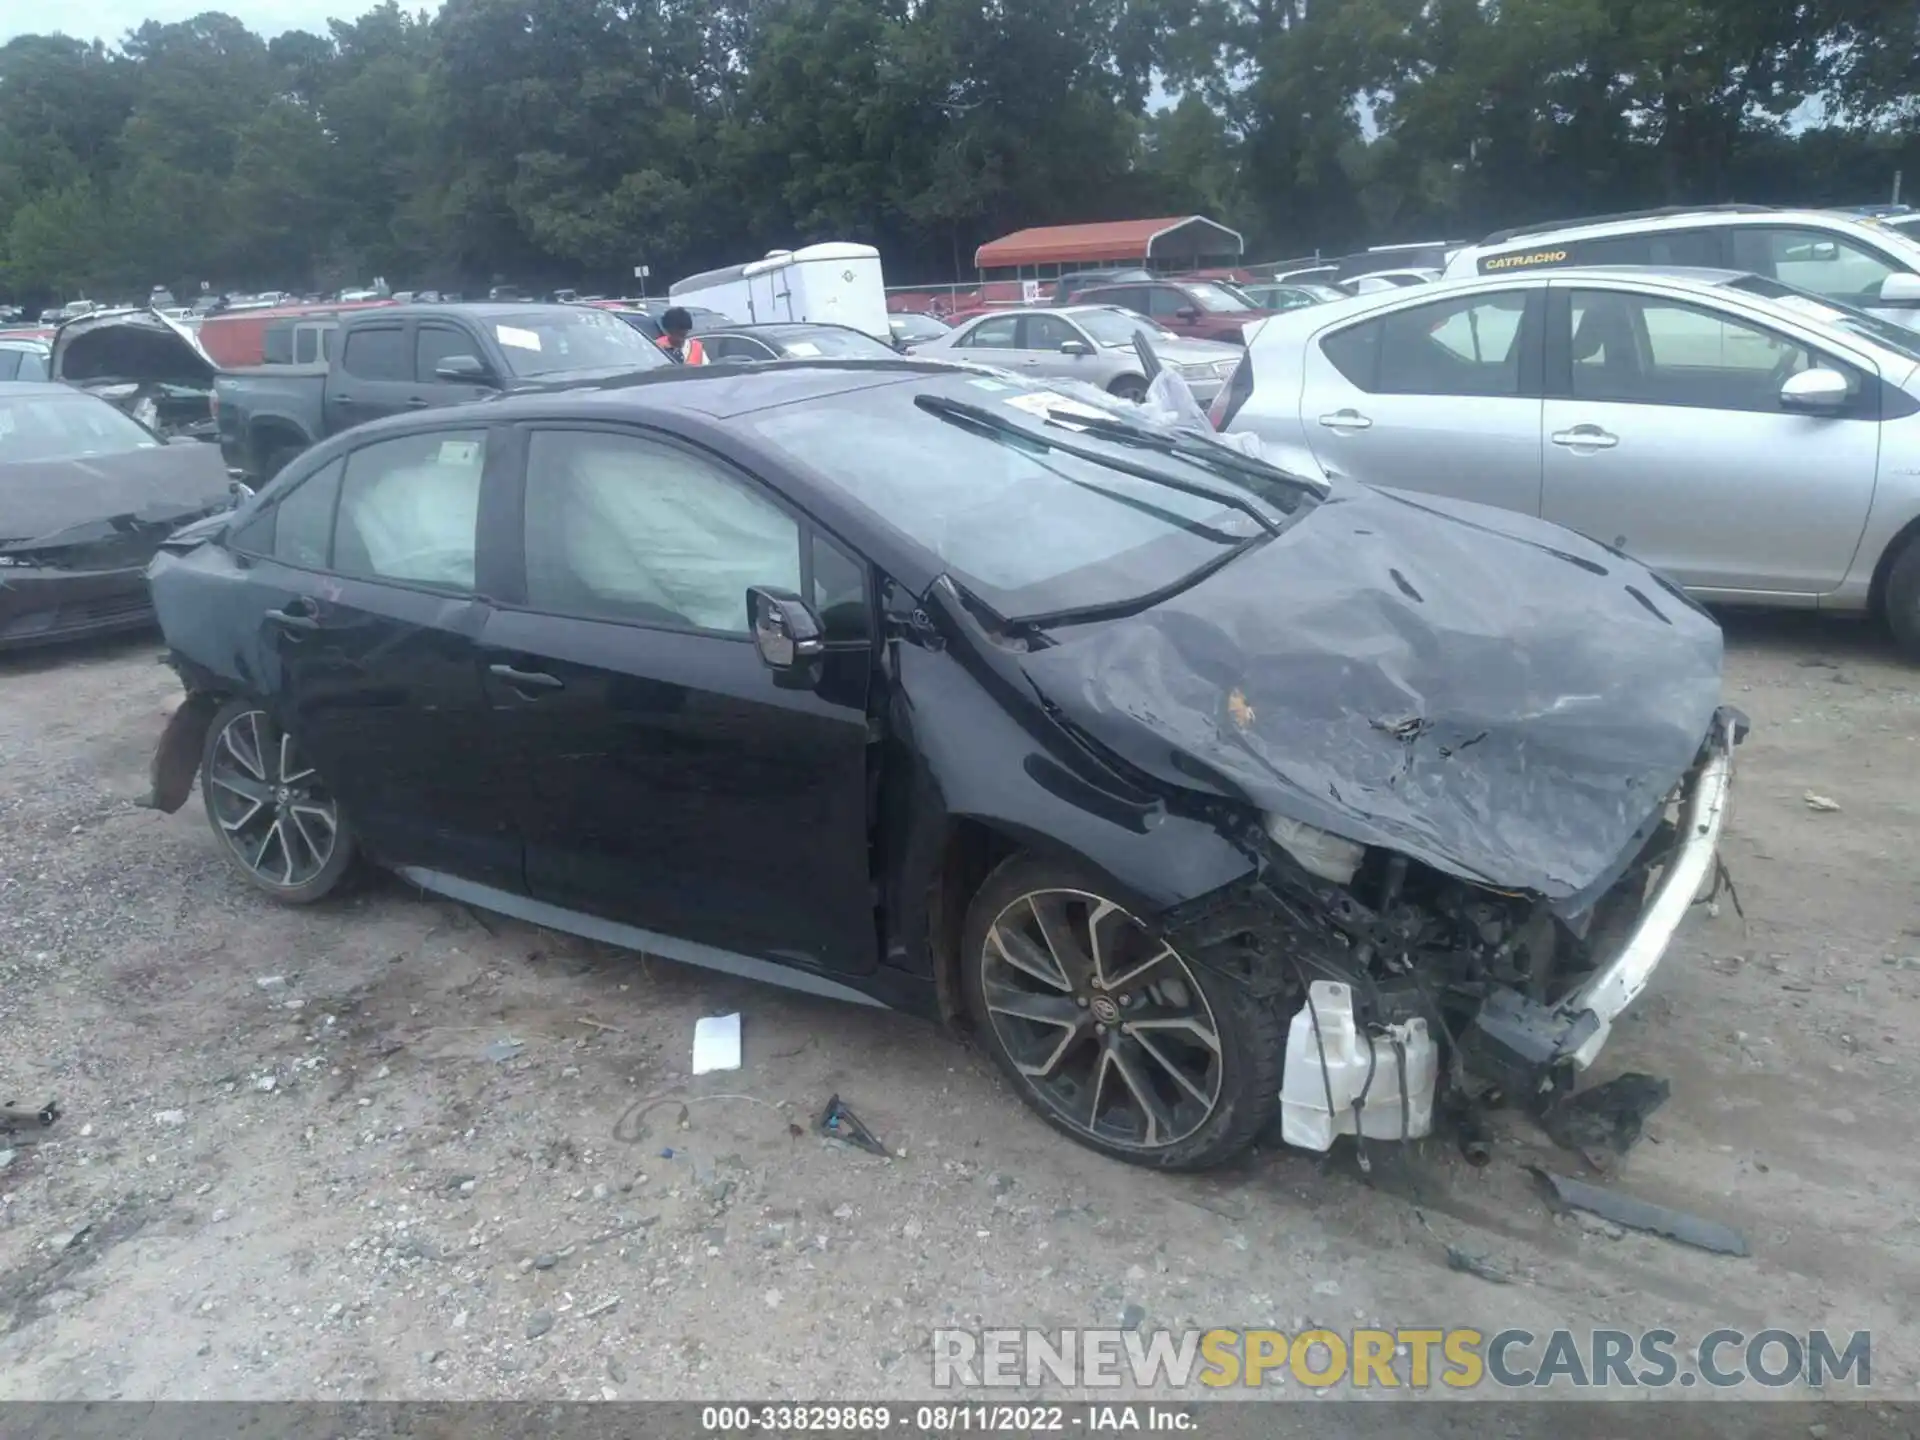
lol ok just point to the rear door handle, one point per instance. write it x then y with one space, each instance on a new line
297 616
341 399
1346 420
1585 437
418 403
526 679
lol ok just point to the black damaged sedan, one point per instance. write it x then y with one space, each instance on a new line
932 689
86 496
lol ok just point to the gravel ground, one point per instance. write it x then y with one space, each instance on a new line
389 1147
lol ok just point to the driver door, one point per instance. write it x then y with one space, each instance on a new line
1666 438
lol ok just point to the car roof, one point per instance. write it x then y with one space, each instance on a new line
1677 218
22 389
783 327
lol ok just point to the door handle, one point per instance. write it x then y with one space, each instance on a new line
418 403
1585 437
341 399
1346 420
526 679
297 616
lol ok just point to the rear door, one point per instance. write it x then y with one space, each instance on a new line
1442 397
663 780
1667 439
372 375
367 574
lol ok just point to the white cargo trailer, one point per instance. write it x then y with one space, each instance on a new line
827 284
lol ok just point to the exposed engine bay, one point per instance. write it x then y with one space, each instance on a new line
143 363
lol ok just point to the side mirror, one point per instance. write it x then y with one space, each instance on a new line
1815 390
464 370
788 636
1188 313
1901 291
1075 347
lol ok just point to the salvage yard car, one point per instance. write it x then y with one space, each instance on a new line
390 359
1089 343
915 685
86 496
1755 444
142 362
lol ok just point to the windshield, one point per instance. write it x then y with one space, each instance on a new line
841 344
1884 333
1215 297
1028 530
1116 328
66 427
547 343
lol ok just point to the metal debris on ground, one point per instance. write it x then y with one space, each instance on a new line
1821 803
1608 1117
1638 1214
837 1122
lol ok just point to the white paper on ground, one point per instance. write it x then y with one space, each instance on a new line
716 1043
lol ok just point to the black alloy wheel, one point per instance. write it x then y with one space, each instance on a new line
1109 1032
275 816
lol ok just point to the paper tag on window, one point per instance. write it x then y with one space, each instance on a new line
1046 405
459 452
516 337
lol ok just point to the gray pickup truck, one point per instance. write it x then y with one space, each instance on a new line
412 357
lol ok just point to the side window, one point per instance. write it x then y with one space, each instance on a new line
33 366
276 346
301 525
408 509
306 345
1454 347
839 592
1833 266
1637 350
1164 302
10 363
377 352
621 528
1355 353
1658 247
1127 297
1047 332
434 343
995 333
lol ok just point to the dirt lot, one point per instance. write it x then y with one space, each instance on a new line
389 1148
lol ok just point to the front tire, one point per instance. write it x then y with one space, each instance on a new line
1129 387
1108 1032
1901 599
274 815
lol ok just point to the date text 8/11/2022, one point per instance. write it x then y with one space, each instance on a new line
944 1419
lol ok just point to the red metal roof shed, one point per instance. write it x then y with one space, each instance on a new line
1184 238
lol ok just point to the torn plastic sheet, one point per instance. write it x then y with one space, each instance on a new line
1478 690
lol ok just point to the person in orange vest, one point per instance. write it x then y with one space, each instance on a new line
677 339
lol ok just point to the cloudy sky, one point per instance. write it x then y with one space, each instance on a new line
110 19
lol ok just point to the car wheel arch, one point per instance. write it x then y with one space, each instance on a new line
1890 553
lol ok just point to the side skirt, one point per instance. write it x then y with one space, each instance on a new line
591 927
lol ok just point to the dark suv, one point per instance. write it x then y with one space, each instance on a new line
1202 309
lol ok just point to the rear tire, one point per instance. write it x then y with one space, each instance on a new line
274 816
1109 1033
1901 599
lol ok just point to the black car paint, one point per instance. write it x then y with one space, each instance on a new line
76 535
268 412
970 742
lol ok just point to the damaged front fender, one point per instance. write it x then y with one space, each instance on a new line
176 759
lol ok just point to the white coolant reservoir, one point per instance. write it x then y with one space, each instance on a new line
1304 1117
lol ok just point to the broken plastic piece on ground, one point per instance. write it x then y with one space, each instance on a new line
13 1118
1607 1117
1821 803
502 1050
716 1043
1475 1265
837 1122
1638 1214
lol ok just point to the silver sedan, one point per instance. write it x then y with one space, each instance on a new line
1092 343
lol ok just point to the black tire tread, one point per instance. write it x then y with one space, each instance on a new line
1901 599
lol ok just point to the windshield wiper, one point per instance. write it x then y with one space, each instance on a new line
1228 463
959 412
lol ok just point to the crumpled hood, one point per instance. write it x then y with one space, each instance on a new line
136 345
1481 691
42 498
